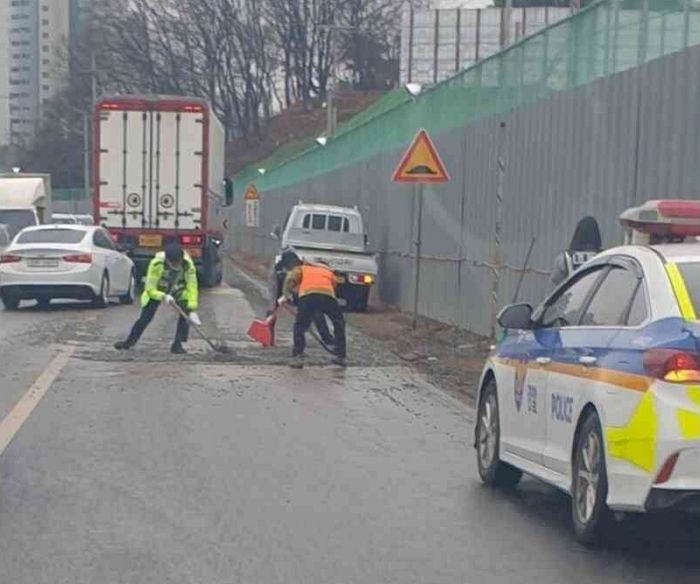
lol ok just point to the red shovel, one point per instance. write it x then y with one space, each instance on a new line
263 331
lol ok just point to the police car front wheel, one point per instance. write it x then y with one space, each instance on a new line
492 470
589 491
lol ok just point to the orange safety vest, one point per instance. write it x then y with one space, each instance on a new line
317 280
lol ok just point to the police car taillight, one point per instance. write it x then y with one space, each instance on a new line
666 218
672 365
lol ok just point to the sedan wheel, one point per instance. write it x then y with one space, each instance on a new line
492 470
130 295
10 301
102 299
589 491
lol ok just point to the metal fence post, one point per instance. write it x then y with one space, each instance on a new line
497 252
616 27
643 32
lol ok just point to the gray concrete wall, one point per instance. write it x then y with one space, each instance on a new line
594 150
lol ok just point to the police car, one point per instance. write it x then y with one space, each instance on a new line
597 390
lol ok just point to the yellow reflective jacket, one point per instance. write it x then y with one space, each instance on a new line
183 288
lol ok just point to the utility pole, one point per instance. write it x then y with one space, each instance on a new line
331 111
507 19
87 126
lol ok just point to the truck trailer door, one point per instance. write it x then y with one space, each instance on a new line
125 169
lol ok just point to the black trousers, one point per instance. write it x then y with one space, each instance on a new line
309 308
319 319
147 314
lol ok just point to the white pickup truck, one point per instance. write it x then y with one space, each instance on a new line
335 236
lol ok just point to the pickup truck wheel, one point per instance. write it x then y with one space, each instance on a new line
359 299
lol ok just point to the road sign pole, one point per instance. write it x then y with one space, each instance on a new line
420 164
419 245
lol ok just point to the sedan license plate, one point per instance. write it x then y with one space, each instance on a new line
150 240
42 263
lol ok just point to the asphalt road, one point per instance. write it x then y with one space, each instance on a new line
139 467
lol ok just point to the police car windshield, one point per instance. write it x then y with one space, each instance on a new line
691 275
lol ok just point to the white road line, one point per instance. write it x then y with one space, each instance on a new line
25 406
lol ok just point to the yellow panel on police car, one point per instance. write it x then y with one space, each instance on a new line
694 394
689 423
679 289
636 442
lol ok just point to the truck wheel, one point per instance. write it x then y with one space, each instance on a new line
209 269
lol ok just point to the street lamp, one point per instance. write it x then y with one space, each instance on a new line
413 89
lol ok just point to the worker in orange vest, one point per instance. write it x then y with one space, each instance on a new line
315 286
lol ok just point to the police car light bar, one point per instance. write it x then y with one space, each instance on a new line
672 217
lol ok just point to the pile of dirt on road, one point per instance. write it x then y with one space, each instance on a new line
450 357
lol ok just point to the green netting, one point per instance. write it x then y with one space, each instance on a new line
607 37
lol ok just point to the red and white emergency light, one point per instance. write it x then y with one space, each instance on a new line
669 219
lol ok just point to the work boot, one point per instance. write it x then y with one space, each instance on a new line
177 349
123 345
339 361
297 362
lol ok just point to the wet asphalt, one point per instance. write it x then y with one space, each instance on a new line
219 469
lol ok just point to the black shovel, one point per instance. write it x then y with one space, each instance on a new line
217 346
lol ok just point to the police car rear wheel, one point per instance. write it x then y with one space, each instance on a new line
589 492
492 470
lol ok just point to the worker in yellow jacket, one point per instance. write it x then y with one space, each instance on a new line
315 286
171 278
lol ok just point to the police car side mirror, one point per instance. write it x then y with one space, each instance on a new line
516 317
276 232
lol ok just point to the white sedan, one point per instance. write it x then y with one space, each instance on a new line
77 262
597 391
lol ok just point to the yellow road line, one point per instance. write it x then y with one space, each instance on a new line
25 406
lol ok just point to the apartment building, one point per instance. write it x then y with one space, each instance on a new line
39 31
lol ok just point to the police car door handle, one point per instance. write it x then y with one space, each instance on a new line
587 360
543 360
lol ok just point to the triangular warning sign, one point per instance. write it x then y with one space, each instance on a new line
421 163
251 193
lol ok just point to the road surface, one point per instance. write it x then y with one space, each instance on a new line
140 467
